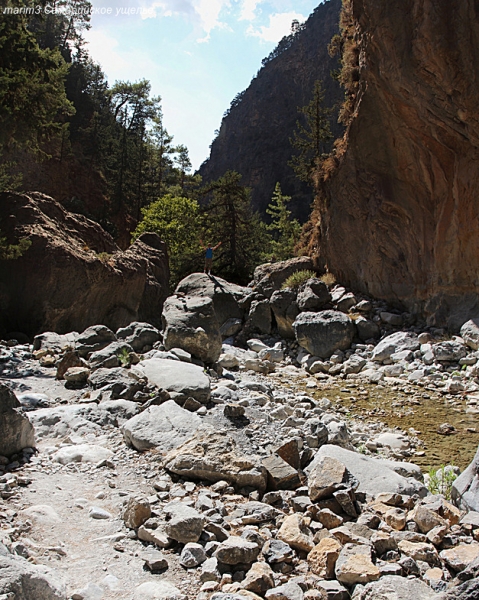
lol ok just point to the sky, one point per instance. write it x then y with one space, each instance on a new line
197 54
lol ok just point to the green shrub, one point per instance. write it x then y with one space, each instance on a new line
297 279
328 279
124 357
440 481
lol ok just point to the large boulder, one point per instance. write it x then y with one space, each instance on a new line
313 295
16 430
226 296
470 333
182 380
215 456
190 323
465 489
324 332
374 475
20 580
163 427
270 277
285 310
139 335
82 419
73 274
393 587
396 342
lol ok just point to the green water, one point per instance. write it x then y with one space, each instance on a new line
422 409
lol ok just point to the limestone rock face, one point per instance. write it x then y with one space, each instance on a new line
16 430
254 134
73 275
399 216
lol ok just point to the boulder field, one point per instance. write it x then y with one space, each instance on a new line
134 467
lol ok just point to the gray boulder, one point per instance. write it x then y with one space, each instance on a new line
324 332
108 357
465 489
214 456
313 296
394 587
16 430
374 475
20 580
164 427
259 316
190 323
449 351
396 342
182 380
285 310
61 421
270 277
139 335
54 341
367 329
94 338
226 296
185 524
118 381
470 333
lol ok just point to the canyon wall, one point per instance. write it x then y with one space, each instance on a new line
254 137
400 212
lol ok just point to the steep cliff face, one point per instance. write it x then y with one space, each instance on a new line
399 216
254 136
73 275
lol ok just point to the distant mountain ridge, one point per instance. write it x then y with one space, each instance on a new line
254 135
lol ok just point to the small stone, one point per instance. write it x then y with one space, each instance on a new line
354 565
137 511
322 558
328 476
259 578
233 411
236 550
185 524
154 561
192 555
96 512
419 551
294 532
461 556
289 591
329 519
427 519
396 518
276 551
281 476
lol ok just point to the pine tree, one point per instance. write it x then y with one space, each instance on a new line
229 218
310 139
285 230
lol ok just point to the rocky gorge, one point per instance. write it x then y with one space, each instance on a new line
219 455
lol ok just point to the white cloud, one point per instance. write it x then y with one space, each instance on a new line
279 26
206 13
248 10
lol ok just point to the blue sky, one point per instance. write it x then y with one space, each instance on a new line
197 54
